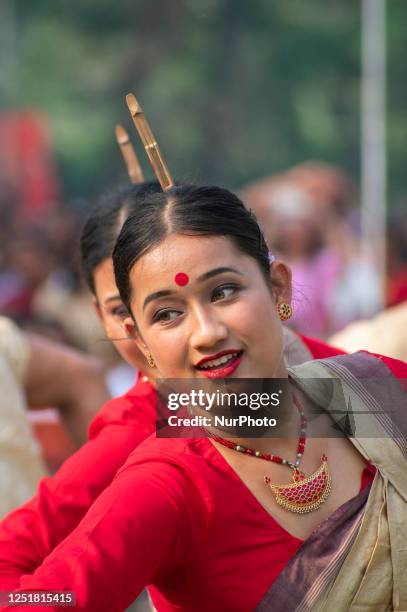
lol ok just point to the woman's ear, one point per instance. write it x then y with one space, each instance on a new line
281 276
130 328
132 332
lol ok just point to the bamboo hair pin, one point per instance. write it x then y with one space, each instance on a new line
150 144
129 155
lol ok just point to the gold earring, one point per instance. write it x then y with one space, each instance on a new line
284 310
150 360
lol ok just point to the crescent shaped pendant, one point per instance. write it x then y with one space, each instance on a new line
305 493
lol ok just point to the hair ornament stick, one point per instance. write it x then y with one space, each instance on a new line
150 144
129 155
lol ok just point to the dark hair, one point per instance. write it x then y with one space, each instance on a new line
186 210
104 223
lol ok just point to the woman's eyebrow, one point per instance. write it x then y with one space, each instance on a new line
217 271
112 298
156 295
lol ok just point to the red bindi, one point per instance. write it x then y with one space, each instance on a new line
181 279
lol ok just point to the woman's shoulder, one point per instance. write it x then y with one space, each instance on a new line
155 486
175 463
362 362
397 367
175 451
372 364
373 370
318 348
136 408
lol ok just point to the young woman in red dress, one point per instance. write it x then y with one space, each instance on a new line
31 532
215 524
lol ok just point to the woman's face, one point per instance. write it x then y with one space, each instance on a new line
222 322
112 313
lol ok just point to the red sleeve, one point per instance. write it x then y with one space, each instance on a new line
397 367
319 349
137 407
146 525
29 534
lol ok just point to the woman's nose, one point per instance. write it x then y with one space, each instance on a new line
207 329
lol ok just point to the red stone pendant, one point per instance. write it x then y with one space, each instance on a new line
304 494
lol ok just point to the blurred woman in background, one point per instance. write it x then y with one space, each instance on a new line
30 533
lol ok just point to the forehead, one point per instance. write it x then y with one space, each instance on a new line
191 255
103 277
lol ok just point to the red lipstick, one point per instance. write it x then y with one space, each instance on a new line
223 370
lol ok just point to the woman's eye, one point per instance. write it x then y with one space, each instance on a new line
166 316
222 293
120 311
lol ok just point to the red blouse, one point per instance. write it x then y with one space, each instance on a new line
178 517
187 525
30 533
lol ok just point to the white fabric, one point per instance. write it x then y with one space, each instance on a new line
20 460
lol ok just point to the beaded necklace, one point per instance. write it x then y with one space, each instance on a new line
305 493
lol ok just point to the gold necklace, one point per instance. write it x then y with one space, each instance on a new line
305 493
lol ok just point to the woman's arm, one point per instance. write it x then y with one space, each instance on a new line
149 520
31 532
64 378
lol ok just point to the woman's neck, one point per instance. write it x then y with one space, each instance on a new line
281 439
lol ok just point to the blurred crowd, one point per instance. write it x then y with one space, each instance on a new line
310 218
41 288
